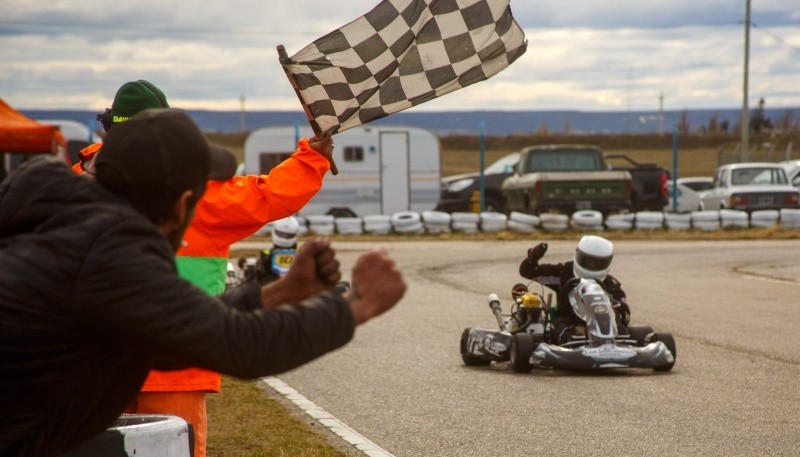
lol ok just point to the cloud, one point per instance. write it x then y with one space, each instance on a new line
613 55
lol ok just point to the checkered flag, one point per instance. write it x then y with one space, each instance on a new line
401 54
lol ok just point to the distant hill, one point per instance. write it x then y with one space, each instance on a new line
468 122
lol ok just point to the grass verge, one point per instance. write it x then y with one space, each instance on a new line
243 421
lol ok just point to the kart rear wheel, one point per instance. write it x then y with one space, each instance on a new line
669 342
522 347
469 359
639 333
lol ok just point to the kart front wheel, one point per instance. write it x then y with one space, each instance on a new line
469 359
639 333
522 347
669 342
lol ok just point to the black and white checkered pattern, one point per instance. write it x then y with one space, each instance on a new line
401 54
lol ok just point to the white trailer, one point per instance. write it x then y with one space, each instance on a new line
382 169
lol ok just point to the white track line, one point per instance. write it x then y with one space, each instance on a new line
326 419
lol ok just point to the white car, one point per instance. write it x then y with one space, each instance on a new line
792 168
750 186
689 193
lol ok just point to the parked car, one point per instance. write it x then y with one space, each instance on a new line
750 186
458 190
792 168
689 193
698 183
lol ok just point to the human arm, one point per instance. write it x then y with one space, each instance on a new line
235 209
129 292
530 268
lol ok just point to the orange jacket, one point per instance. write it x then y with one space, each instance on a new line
229 212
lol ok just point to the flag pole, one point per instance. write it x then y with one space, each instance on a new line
283 57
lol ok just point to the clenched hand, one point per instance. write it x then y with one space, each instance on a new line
314 269
377 286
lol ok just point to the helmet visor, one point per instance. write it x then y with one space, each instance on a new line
591 262
283 234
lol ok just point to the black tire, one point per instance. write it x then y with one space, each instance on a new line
341 212
469 359
639 333
522 347
669 342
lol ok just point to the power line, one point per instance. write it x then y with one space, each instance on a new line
777 37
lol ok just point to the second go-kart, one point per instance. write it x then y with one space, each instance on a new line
525 337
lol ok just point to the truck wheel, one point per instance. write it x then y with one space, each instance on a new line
341 212
639 333
469 359
522 347
669 342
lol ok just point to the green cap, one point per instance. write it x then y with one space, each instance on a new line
134 97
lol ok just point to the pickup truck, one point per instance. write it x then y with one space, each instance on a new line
565 179
649 180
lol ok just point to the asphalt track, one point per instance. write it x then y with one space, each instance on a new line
733 306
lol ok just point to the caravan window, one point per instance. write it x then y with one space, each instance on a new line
269 160
353 154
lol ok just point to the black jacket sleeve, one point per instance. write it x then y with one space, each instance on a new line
128 288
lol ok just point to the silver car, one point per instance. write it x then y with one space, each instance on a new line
749 187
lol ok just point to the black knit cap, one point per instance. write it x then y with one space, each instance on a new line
158 154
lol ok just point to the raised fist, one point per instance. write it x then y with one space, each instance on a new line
537 252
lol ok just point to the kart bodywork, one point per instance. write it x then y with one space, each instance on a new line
526 339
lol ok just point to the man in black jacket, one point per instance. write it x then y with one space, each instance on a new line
592 260
90 299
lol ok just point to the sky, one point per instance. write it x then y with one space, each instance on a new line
585 55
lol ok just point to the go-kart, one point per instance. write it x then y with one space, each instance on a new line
526 338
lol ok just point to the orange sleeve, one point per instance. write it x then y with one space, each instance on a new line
235 209
86 154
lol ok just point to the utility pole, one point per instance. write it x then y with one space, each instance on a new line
661 113
745 114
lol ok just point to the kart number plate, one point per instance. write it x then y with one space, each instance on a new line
768 200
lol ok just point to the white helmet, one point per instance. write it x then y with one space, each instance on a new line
284 232
593 258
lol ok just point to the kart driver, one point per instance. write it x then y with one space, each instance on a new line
592 260
275 262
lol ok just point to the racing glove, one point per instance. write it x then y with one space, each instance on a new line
537 252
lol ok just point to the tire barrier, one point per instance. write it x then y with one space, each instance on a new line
620 221
587 220
378 224
790 218
678 221
764 218
493 221
349 225
436 221
554 222
649 220
141 435
321 224
465 222
731 218
407 222
433 222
